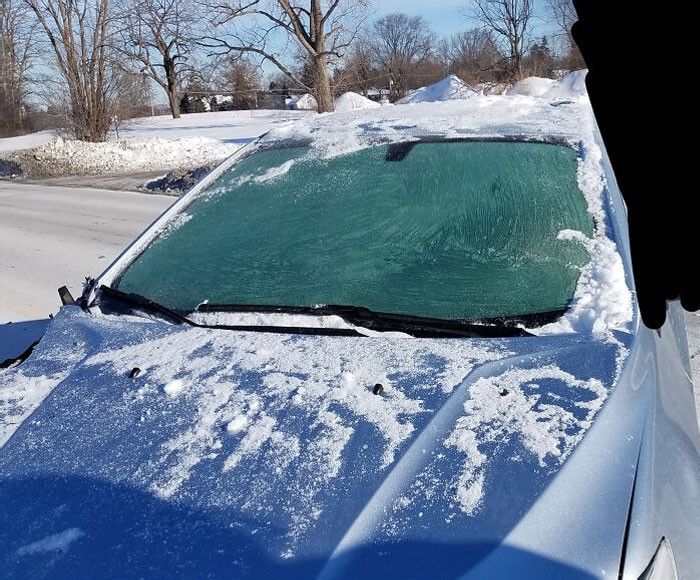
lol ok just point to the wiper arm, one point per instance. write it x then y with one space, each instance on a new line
417 326
146 304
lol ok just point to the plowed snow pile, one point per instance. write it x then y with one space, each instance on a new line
448 89
69 157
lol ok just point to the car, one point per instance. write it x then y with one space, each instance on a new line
400 343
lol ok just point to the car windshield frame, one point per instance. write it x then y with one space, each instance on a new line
115 273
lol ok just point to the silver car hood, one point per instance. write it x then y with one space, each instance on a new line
142 449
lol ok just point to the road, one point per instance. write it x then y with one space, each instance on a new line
55 236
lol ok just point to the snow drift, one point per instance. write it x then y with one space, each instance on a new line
352 102
448 89
569 87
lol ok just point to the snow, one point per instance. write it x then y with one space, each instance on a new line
572 86
342 373
158 143
515 404
305 102
274 172
174 387
352 102
342 133
448 89
19 397
284 319
55 543
602 300
21 393
8 144
531 87
69 157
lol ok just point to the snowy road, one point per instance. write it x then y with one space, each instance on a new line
55 236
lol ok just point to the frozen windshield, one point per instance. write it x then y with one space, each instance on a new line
455 230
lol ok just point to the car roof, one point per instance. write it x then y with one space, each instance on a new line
515 117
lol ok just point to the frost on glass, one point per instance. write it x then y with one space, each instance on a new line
445 229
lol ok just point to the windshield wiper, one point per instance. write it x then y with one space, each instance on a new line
141 303
138 302
417 326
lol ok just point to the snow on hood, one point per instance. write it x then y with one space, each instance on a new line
281 441
448 89
352 102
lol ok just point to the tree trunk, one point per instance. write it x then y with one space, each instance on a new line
172 87
324 97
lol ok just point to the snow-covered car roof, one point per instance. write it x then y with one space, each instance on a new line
493 116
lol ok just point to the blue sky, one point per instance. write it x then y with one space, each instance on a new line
445 17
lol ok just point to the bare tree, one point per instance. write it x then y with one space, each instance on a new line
509 20
134 98
400 44
473 56
157 38
16 58
563 14
78 31
322 29
242 80
359 73
539 61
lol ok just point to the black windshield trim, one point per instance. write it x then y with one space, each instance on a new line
417 327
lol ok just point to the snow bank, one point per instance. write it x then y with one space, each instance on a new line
69 157
531 87
572 86
448 89
146 144
352 101
305 102
569 87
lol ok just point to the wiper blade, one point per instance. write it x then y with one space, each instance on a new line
139 302
417 326
145 304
